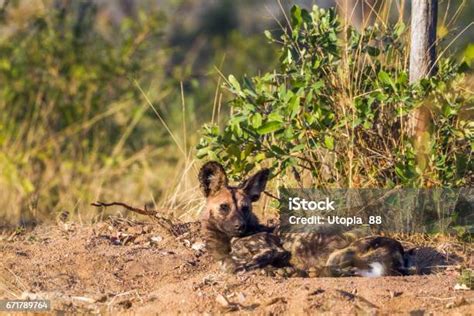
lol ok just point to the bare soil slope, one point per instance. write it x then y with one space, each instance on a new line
137 268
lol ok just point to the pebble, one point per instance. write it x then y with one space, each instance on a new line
222 300
289 271
394 294
156 239
198 246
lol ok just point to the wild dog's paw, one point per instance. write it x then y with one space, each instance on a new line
228 265
289 272
259 250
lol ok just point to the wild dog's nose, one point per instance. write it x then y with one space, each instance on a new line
239 226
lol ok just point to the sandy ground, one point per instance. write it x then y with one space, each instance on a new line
123 267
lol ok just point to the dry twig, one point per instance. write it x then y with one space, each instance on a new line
154 214
175 229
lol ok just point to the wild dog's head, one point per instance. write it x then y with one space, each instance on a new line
229 208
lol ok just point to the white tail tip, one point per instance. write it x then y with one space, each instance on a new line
376 270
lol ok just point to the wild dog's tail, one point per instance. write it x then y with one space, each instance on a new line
423 260
379 256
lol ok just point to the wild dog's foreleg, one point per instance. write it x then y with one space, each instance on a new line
219 247
259 250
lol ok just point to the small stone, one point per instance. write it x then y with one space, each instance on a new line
394 294
241 297
115 241
29 296
222 300
198 246
156 239
461 287
289 271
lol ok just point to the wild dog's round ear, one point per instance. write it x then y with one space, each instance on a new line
255 185
212 178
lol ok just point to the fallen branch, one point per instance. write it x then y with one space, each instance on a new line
154 214
175 229
144 211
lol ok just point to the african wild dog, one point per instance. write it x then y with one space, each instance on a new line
228 213
235 237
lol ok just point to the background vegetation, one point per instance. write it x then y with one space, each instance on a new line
105 100
334 114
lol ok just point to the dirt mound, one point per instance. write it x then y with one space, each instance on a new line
124 266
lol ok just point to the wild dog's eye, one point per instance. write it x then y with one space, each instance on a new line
224 208
245 209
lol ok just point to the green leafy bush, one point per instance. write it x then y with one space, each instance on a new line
334 113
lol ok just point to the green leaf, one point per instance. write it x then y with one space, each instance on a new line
329 142
298 148
400 29
469 54
289 133
294 106
256 120
201 153
259 157
386 80
384 77
402 78
269 127
306 16
268 35
316 64
399 170
317 85
296 18
235 84
278 150
274 116
249 87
